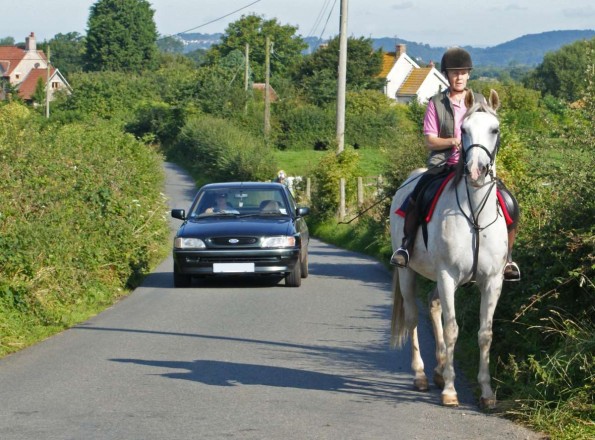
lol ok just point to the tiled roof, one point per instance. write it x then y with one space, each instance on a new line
388 61
414 81
10 56
27 87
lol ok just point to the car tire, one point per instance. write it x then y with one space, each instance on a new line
294 278
181 280
304 264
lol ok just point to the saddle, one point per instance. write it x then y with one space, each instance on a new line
430 193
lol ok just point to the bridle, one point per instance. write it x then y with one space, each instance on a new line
474 217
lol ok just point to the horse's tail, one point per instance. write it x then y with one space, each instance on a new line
399 331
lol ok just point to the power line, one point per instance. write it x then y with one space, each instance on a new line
320 15
215 20
327 19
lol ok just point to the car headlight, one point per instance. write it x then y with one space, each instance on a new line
189 243
278 242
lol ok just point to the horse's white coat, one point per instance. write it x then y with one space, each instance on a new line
448 258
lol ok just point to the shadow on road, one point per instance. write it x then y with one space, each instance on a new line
222 373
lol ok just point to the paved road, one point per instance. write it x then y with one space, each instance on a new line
236 360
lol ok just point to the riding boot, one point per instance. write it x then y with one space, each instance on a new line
400 257
511 270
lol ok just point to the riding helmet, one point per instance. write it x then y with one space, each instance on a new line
456 58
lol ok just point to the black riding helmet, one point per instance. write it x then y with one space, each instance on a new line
456 58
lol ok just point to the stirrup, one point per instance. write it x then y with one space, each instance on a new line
400 258
512 272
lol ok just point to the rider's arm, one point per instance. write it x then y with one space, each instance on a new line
432 130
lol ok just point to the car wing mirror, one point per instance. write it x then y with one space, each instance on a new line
302 211
179 214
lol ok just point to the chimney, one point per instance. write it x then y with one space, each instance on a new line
30 44
431 64
400 50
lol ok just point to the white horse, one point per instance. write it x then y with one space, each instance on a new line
467 241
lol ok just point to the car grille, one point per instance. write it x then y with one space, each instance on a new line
235 241
255 259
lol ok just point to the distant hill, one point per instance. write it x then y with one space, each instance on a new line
527 50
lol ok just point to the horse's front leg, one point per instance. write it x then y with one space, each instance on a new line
411 314
490 293
440 348
446 289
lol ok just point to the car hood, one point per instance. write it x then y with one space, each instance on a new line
223 226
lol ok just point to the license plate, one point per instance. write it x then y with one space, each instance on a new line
233 267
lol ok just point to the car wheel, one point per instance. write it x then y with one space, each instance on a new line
181 280
304 264
294 278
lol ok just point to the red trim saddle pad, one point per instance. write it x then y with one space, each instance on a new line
402 209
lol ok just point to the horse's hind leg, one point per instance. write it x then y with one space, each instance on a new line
440 348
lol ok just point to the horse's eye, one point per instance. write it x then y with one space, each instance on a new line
496 131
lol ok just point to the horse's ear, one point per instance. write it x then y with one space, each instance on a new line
494 99
469 99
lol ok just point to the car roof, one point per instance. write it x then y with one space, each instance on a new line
247 185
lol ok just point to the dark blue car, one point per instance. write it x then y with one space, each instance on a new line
242 228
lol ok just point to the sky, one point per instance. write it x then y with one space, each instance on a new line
438 23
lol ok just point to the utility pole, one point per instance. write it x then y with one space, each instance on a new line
267 101
246 75
342 80
246 66
47 88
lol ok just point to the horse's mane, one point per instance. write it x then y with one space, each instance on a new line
481 106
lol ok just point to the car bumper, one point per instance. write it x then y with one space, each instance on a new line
227 262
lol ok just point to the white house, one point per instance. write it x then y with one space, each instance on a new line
23 68
405 79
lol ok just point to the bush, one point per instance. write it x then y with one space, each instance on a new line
301 127
326 178
81 219
157 120
214 149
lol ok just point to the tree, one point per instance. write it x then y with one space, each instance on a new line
252 29
363 66
66 52
170 45
563 73
39 93
7 41
122 36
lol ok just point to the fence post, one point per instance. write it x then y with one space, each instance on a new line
360 192
342 199
308 188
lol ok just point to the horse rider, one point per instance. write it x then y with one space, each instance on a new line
442 133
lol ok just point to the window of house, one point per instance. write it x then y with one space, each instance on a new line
55 85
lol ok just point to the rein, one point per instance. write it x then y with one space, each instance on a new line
473 218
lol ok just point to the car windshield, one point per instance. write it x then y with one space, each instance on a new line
240 202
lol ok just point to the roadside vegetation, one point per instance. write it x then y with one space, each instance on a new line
82 217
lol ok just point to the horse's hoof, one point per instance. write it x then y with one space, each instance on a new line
438 380
450 400
487 403
421 384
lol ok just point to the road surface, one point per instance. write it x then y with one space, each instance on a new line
237 360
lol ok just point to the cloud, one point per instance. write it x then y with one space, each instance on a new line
585 11
402 6
513 7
